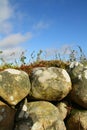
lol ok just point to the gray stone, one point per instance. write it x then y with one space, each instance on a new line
76 69
51 84
63 109
14 85
79 90
42 115
77 120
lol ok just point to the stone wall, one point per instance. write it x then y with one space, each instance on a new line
51 98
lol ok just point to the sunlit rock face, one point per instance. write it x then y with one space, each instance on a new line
76 69
50 84
48 99
63 109
7 115
43 115
14 85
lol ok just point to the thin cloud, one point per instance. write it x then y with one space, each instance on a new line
6 12
5 27
14 39
66 49
11 54
41 25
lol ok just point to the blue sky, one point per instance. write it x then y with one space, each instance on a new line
42 24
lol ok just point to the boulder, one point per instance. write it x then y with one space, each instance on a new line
77 120
48 125
6 117
63 109
79 90
40 115
75 70
51 84
14 85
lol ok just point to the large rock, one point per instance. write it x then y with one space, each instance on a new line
75 70
77 120
79 89
48 125
14 85
50 83
40 115
63 109
6 117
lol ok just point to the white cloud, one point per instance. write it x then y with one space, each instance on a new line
11 54
14 39
10 44
41 25
6 12
65 49
5 27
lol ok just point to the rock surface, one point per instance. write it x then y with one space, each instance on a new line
79 88
77 120
50 84
76 69
7 115
48 125
23 104
63 109
44 115
14 85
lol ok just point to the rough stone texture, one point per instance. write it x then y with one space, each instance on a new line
48 125
50 83
63 109
14 85
6 117
76 69
79 90
43 115
77 120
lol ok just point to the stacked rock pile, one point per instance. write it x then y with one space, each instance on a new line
51 98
